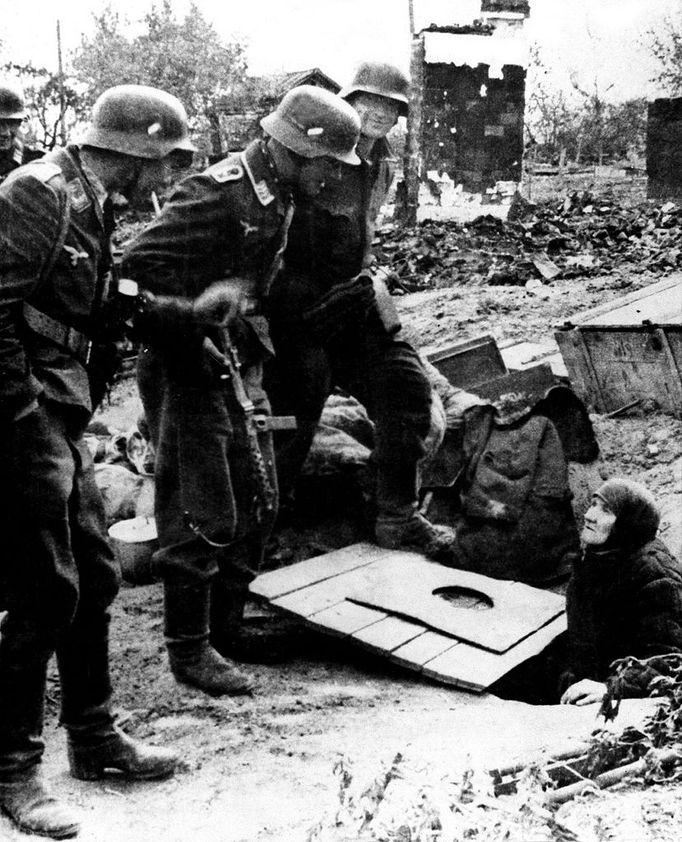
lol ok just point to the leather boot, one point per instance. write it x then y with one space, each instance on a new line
192 659
399 524
120 753
266 642
31 807
95 745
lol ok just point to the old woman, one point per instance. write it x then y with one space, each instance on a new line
624 597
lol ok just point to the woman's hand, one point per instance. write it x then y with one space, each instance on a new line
584 692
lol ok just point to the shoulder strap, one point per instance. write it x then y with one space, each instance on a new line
58 245
45 170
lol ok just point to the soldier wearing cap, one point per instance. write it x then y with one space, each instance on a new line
13 152
217 244
58 575
332 323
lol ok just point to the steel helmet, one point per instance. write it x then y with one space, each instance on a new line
377 77
11 101
138 120
314 123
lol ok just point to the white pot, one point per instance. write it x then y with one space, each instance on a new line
134 541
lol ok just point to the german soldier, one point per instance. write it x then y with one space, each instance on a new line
59 576
329 328
13 152
214 249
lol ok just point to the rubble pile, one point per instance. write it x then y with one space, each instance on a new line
581 236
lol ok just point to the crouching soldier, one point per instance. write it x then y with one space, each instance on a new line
58 575
211 255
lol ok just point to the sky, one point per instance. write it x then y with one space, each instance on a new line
597 41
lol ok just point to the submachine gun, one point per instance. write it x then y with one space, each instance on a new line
228 365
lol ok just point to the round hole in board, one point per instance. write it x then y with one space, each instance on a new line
464 598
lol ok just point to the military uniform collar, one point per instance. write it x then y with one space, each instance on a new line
98 189
81 190
381 151
261 172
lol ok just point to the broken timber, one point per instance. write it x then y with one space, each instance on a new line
451 625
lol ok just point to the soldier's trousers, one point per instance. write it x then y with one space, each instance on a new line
58 577
208 514
384 374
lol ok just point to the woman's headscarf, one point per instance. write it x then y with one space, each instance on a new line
637 515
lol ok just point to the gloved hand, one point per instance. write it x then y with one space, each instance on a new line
219 304
343 304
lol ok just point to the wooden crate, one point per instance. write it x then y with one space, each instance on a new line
629 350
468 363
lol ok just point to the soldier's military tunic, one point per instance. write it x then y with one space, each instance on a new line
227 222
57 572
14 157
330 242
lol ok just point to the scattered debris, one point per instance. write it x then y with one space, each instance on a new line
580 236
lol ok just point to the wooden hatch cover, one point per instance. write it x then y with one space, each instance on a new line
455 626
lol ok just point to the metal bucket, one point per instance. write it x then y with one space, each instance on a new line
134 541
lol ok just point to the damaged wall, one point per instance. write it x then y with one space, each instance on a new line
472 125
467 116
664 148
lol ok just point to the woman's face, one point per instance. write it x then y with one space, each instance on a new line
599 520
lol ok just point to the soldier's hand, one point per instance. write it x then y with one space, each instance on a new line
343 304
219 304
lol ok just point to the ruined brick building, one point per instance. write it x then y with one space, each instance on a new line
467 114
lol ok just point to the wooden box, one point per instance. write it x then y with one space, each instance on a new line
628 351
470 362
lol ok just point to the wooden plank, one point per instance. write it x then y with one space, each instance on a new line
675 378
601 404
276 583
422 649
330 605
345 618
388 634
331 591
663 307
477 669
308 601
595 314
404 584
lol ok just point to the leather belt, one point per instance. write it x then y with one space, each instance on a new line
66 337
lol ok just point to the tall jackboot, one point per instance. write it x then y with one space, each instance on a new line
268 640
399 524
192 659
96 745
23 796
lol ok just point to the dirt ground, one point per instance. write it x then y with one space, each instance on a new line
259 769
